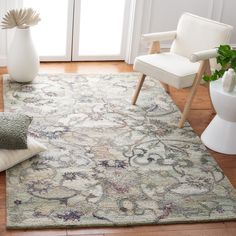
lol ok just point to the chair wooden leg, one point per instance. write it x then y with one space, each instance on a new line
138 88
208 72
156 48
212 106
204 65
207 86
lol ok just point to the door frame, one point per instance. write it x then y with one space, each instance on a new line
131 36
69 38
70 16
75 48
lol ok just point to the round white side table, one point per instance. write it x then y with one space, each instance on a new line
220 135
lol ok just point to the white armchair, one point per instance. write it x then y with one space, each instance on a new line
194 44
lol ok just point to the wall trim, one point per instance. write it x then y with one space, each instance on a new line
218 7
211 9
149 4
221 10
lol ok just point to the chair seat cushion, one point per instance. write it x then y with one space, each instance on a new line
169 68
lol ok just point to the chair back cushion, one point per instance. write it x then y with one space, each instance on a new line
196 33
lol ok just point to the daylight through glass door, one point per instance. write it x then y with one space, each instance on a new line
80 29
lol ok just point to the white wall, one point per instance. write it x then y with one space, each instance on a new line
163 15
228 15
2 35
154 16
6 35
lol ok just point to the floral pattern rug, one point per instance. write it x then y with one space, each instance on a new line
109 163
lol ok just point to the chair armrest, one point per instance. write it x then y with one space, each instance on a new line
168 35
204 55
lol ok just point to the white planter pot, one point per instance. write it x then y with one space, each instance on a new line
22 59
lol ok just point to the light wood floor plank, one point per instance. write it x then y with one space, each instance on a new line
212 232
34 233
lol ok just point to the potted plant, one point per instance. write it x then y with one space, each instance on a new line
220 133
226 59
22 59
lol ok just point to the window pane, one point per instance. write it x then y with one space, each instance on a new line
50 34
101 27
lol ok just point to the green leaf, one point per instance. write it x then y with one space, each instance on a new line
224 50
233 63
206 78
226 59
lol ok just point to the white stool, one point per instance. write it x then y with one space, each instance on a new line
220 135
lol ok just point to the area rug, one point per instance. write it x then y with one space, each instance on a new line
109 163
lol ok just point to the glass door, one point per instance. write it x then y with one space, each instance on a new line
75 30
53 34
100 29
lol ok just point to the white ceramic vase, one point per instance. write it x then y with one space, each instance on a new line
22 59
229 80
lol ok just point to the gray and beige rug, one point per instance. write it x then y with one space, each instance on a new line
108 162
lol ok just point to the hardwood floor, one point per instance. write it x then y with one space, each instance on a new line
199 118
